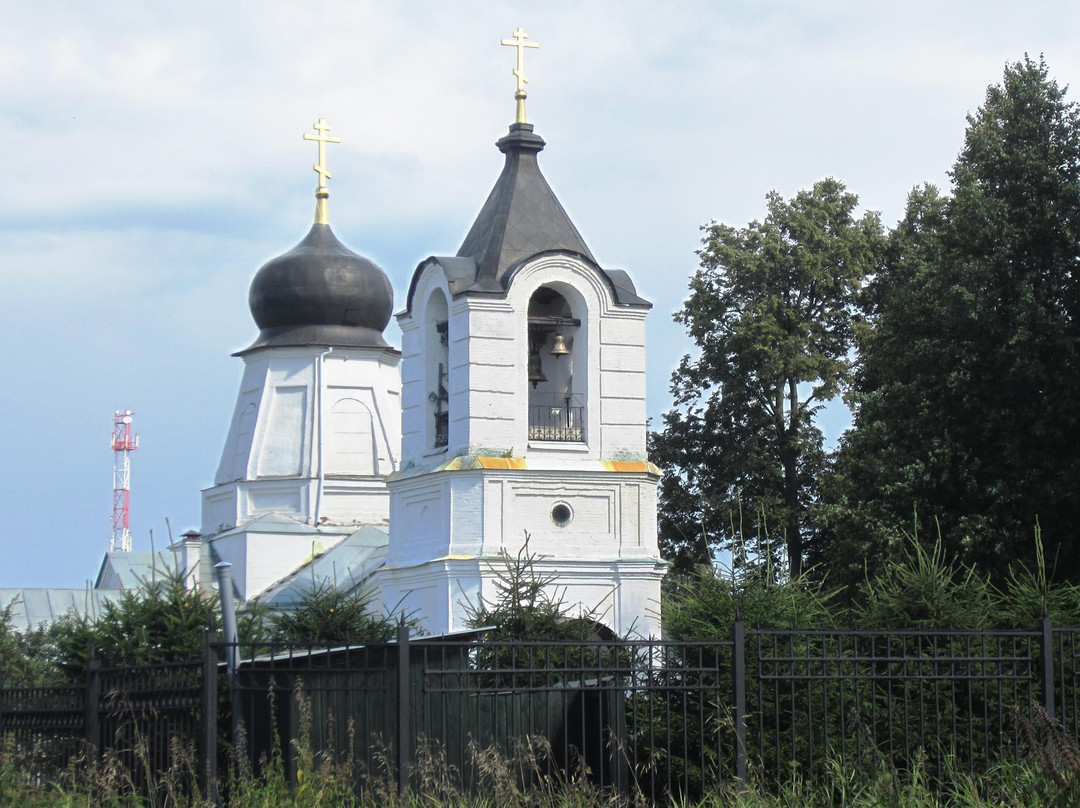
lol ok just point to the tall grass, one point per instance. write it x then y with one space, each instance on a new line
1049 775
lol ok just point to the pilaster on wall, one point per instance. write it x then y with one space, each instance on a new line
413 394
621 364
489 364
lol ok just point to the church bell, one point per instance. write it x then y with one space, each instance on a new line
536 369
558 346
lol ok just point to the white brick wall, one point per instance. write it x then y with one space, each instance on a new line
447 527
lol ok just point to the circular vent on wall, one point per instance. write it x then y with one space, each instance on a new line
562 514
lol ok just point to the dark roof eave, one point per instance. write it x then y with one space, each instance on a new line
319 336
619 282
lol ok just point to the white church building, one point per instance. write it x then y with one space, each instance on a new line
515 407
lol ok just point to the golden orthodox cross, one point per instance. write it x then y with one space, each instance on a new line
519 72
322 139
321 193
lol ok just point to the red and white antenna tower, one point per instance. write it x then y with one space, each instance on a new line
123 443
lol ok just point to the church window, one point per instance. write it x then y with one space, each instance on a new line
437 371
440 398
556 369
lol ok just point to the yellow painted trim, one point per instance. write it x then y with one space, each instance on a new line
478 463
460 463
502 462
631 466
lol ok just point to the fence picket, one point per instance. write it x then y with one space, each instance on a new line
92 707
404 704
738 638
209 749
1047 630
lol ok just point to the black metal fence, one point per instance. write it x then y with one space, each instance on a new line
150 718
146 719
45 726
667 719
948 697
346 700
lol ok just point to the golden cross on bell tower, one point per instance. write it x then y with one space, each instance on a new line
519 72
322 215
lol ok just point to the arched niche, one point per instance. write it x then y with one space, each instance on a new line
436 342
557 364
352 439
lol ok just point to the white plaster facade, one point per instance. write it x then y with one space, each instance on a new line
314 433
455 508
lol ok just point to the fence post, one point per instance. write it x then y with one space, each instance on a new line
223 570
92 707
1047 628
738 636
210 719
404 706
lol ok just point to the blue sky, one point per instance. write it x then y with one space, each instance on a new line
152 160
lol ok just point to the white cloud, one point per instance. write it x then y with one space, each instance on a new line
152 161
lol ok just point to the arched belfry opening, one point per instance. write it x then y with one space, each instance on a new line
437 350
557 368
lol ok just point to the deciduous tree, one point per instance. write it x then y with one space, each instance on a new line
770 311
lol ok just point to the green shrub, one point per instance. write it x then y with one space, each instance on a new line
925 589
527 605
703 604
330 615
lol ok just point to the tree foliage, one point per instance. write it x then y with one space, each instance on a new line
161 621
966 396
924 585
332 615
165 621
770 311
14 664
528 605
703 603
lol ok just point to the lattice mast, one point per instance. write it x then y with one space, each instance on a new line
124 442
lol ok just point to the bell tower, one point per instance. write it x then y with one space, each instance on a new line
523 412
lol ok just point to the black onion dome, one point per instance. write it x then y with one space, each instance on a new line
320 293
